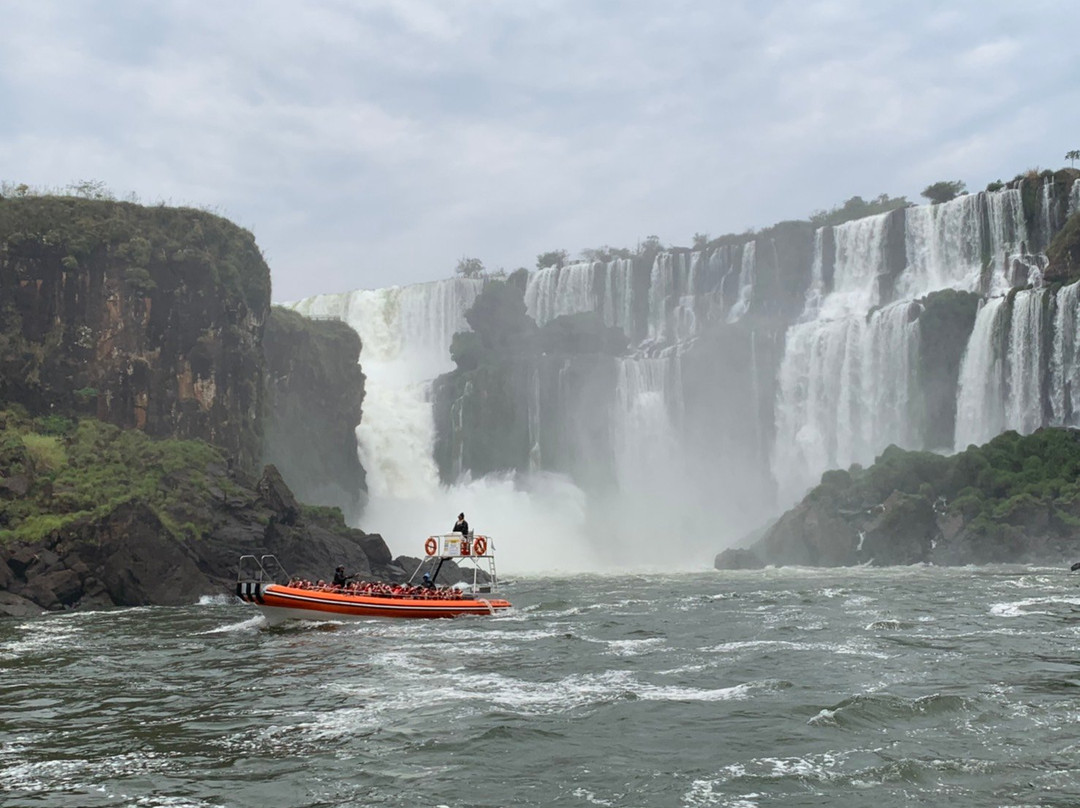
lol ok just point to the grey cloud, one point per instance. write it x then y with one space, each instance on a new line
375 143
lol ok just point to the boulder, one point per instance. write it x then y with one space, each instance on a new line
902 532
277 496
21 560
12 605
14 486
738 558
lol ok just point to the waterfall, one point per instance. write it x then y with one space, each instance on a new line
980 411
963 244
555 291
844 394
1023 363
406 334
747 270
1065 361
719 387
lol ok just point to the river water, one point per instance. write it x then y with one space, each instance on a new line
793 687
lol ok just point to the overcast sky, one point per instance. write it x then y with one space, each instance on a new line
369 144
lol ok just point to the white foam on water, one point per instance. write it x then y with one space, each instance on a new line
703 793
590 797
1021 608
251 624
216 600
42 636
627 648
850 648
48 776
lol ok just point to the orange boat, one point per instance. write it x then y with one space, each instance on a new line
257 583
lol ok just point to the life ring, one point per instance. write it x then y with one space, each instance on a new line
431 545
480 546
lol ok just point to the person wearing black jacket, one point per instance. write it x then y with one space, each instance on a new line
340 578
461 526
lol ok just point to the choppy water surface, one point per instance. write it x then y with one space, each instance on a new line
913 686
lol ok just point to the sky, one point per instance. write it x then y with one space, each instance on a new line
372 144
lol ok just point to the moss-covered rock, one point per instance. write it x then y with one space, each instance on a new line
1015 499
146 317
1063 254
115 517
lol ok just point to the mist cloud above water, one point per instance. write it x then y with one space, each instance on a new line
376 143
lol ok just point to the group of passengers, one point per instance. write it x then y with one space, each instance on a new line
342 584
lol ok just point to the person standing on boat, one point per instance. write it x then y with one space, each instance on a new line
340 578
461 526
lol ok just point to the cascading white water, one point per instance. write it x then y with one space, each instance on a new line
747 271
406 334
1065 359
1023 402
846 381
980 409
948 244
844 394
846 385
555 291
1074 197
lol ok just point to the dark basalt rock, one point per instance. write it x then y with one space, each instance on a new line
129 557
148 318
277 496
738 558
315 389
1012 500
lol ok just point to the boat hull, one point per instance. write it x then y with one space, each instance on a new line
281 603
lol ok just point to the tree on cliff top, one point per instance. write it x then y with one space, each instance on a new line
1072 156
552 258
470 268
944 191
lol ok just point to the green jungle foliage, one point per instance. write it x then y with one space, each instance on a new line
857 208
90 468
944 191
1063 253
79 231
992 487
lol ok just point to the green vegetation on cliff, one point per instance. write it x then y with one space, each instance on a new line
144 317
995 494
54 471
1063 253
138 237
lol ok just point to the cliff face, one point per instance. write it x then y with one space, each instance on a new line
524 397
148 318
315 389
1015 499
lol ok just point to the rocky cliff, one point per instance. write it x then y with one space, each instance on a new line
1015 499
146 317
509 371
135 382
92 516
315 389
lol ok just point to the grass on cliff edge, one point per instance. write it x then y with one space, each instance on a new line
87 469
